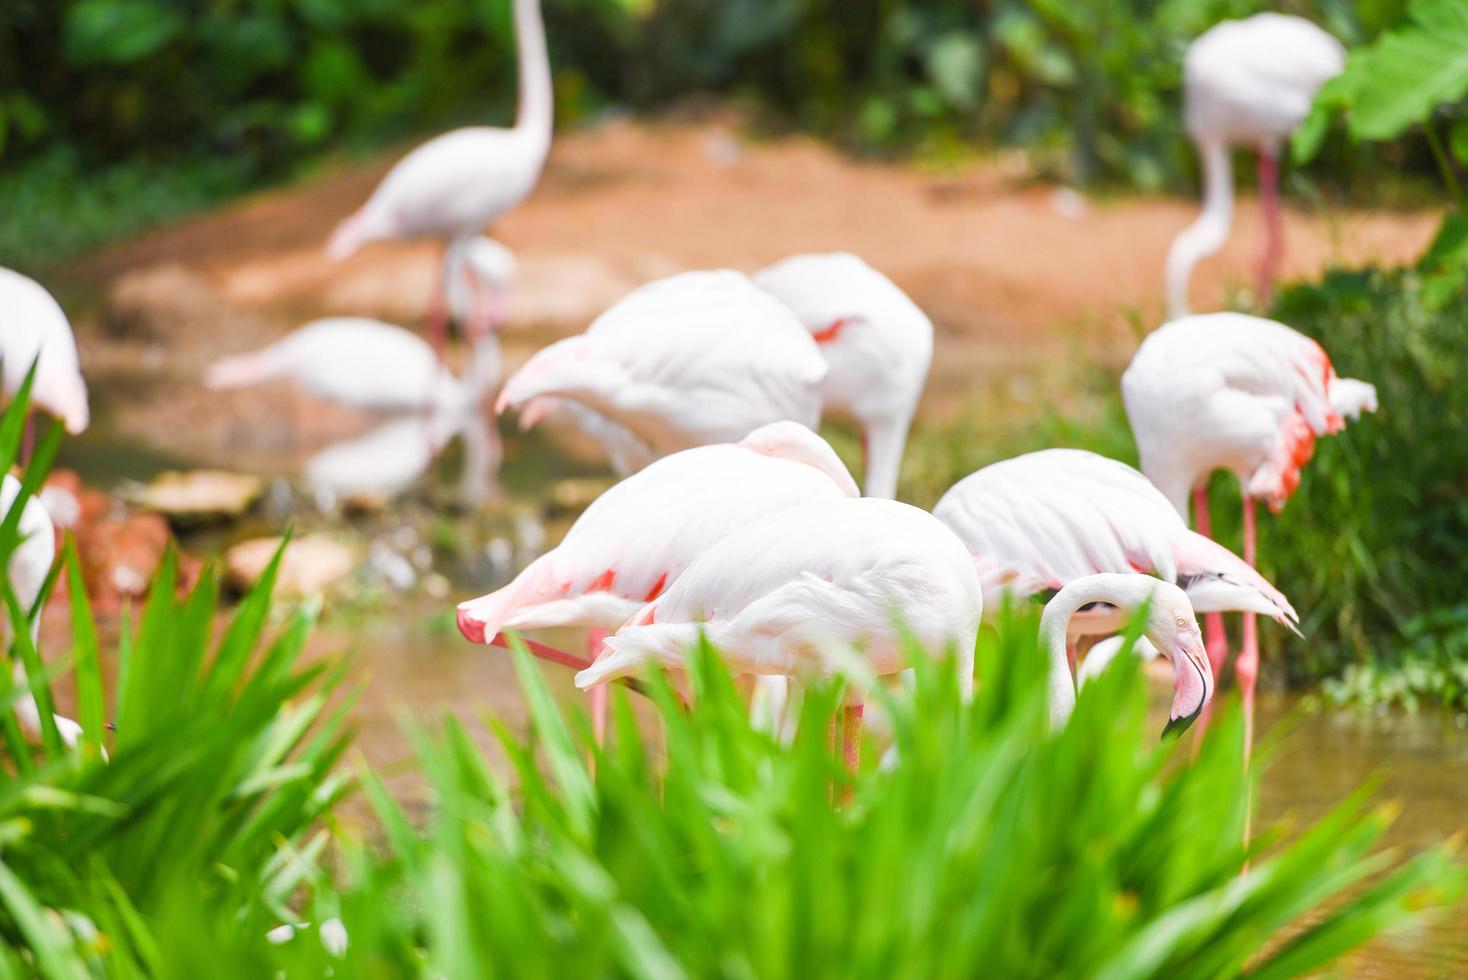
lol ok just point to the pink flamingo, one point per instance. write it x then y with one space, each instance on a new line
694 359
876 342
1245 83
34 329
1244 394
1044 519
644 532
455 184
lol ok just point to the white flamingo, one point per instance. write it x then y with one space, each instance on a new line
30 564
1245 83
694 359
1171 627
33 325
876 341
1243 394
773 595
644 532
454 185
1044 519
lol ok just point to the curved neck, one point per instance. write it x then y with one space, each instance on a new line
1207 234
483 371
535 96
1123 591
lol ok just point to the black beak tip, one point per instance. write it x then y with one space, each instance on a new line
1176 726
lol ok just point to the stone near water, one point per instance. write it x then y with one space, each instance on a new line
198 496
311 564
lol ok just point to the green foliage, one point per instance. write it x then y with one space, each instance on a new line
1370 550
986 844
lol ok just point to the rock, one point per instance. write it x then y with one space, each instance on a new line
197 496
152 302
120 556
311 564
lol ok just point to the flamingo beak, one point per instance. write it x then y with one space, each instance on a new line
1192 681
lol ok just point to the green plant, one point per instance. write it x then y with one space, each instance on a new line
986 843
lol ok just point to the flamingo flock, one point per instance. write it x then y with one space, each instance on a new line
735 520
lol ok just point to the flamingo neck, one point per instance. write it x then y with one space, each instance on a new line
1122 591
1206 235
536 97
483 372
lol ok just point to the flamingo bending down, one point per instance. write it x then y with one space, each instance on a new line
1240 393
477 275
773 595
645 531
34 329
694 359
455 184
1044 519
877 344
1245 83
30 564
1171 627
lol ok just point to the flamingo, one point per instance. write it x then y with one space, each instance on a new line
34 329
1044 519
1246 83
1171 627
773 595
455 184
693 359
30 564
877 344
645 531
1244 394
479 273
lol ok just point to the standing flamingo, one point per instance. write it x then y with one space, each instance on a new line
694 359
32 326
1044 519
30 564
773 595
643 532
1245 83
1244 394
877 344
455 184
1171 627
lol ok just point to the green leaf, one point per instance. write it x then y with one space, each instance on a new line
119 32
956 66
1397 82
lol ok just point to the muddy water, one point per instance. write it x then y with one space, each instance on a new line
413 665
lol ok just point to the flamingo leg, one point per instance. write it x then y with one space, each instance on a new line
1247 665
597 695
851 716
1273 228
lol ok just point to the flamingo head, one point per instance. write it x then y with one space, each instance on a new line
1173 629
793 441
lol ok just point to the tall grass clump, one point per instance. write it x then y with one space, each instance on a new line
983 843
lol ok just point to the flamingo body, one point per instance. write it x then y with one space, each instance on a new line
32 325
772 595
1044 519
876 341
1235 392
354 361
644 532
694 359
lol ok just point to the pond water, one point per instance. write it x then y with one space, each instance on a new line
414 663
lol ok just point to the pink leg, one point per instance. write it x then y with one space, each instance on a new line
1217 637
851 736
1247 665
1273 229
1072 654
598 694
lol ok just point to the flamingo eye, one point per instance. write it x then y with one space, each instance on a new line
1182 622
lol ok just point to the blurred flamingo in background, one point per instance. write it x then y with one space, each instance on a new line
876 342
693 359
1044 519
642 533
32 326
454 185
1244 394
1246 83
773 595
